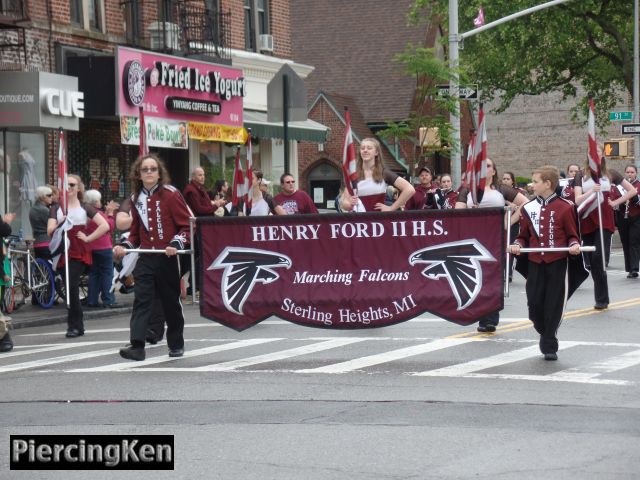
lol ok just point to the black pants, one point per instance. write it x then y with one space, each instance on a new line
594 262
629 230
546 298
157 276
75 315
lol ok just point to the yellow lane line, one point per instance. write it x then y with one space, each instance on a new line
568 316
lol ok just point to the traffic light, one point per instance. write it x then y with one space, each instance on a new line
616 148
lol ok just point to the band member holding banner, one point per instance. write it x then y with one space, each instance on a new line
292 200
160 221
373 178
495 194
586 188
75 222
547 221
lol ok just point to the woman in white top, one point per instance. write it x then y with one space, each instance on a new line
373 179
495 194
79 214
262 202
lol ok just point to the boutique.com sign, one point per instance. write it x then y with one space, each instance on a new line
91 452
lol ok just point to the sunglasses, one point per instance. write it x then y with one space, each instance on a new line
149 169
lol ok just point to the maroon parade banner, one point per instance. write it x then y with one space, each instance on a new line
348 271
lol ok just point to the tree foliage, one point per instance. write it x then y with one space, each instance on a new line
430 110
582 42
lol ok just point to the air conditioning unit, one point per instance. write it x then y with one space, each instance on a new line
171 33
266 43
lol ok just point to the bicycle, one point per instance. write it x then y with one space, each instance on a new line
29 276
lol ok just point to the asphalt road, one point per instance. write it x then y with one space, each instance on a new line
424 399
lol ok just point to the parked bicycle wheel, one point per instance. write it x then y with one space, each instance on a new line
42 281
7 299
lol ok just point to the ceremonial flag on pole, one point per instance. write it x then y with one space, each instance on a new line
144 147
594 159
63 183
249 175
468 174
479 20
479 178
349 170
238 181
591 202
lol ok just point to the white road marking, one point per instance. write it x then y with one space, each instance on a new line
128 365
269 357
485 363
386 357
596 369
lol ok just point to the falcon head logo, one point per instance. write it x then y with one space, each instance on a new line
243 267
459 262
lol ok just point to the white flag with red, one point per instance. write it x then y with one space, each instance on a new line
479 178
144 147
468 174
349 169
249 175
591 202
63 181
239 187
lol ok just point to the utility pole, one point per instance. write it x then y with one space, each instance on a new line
636 83
454 40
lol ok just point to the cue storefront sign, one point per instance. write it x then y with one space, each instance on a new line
32 100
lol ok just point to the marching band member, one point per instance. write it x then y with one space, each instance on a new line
495 195
373 179
547 221
160 220
590 226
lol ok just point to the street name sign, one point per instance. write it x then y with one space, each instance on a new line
617 116
465 92
631 129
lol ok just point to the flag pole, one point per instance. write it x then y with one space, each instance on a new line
598 199
62 162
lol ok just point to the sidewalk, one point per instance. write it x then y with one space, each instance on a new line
28 315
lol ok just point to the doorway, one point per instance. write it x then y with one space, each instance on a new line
324 184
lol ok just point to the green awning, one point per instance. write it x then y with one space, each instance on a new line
308 130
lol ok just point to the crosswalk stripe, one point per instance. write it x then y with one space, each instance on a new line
42 349
269 357
593 370
485 363
54 360
386 357
548 378
128 366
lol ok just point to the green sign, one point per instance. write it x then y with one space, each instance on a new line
615 116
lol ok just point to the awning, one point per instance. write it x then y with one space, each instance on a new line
308 130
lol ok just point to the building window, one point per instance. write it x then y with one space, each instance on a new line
88 14
256 22
132 22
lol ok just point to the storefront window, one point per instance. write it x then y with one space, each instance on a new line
25 170
211 162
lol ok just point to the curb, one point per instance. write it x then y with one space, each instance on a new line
60 316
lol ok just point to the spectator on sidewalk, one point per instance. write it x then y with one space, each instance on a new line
6 344
292 200
39 218
101 270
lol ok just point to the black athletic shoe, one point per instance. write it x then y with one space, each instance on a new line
551 356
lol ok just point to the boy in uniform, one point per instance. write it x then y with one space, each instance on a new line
547 221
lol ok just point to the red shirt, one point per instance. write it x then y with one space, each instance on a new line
103 242
545 223
297 202
160 218
198 199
